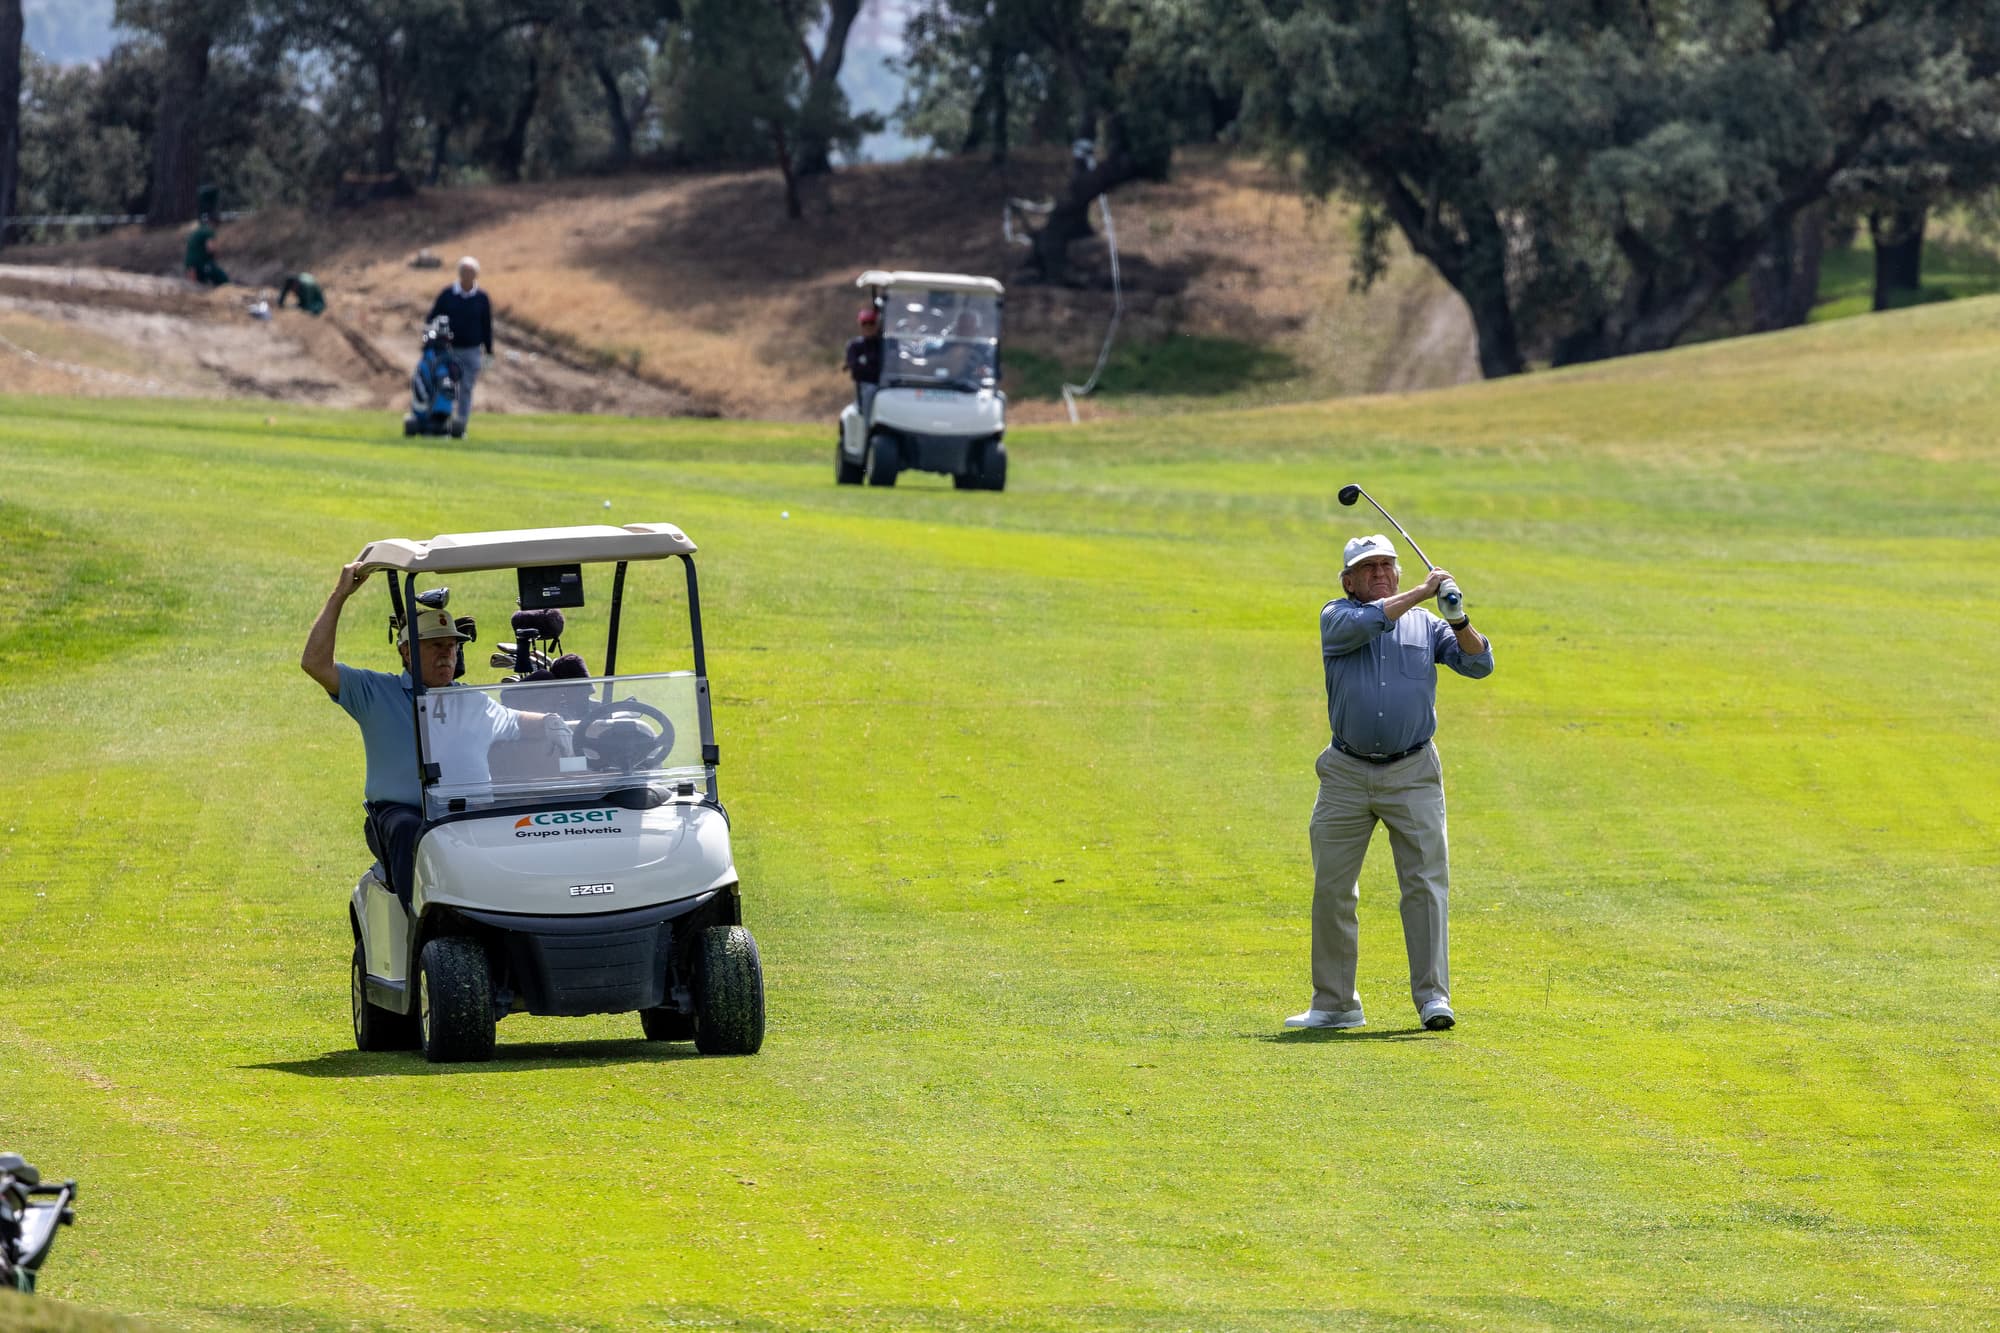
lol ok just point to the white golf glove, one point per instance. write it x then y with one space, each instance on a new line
558 733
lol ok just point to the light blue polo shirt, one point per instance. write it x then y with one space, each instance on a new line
460 739
1381 678
385 706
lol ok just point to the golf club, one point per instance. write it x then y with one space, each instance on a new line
1450 600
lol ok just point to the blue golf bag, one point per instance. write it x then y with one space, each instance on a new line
434 385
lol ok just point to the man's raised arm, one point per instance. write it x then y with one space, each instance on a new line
317 658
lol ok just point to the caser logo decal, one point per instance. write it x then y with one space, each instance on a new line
567 823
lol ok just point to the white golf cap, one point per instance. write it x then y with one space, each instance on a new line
433 625
467 261
1367 548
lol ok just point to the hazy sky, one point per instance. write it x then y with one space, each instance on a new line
70 31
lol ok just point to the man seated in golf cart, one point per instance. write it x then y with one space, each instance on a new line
864 358
383 705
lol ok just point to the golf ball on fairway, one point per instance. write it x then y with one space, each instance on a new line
786 513
607 504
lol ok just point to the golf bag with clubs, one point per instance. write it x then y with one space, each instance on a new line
434 385
27 1228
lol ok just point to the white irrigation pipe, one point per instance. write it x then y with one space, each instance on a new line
1071 392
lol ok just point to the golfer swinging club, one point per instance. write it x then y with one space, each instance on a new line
1381 651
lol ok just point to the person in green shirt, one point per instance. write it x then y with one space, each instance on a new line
306 288
200 258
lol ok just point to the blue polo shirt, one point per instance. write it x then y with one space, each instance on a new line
385 706
1381 678
460 739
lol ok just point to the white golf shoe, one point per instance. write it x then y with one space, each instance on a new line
1437 1015
1326 1018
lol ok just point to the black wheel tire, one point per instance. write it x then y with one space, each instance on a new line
728 993
883 461
994 475
965 481
376 1028
455 1001
665 1024
844 472
409 426
457 430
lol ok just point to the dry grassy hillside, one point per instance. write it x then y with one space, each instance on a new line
694 293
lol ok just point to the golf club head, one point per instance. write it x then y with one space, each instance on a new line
1349 493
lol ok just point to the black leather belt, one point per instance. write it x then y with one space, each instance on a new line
1345 749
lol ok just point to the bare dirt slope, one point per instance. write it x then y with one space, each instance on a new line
693 293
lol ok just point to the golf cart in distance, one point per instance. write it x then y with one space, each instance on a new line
579 866
938 407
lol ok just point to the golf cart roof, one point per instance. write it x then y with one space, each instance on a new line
937 282
594 543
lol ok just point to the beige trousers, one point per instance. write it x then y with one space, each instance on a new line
1408 796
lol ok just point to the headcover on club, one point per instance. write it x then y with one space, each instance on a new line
546 623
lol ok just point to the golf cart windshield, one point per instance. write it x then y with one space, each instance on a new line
532 742
940 339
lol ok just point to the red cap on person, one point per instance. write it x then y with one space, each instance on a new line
866 315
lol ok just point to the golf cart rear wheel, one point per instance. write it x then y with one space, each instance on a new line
455 1001
993 469
728 993
665 1024
883 460
376 1028
844 472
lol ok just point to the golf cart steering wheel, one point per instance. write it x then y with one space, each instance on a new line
616 732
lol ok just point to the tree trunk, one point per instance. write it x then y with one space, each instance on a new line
440 141
1899 253
996 79
389 92
1069 220
823 90
614 111
11 27
514 148
1474 264
1784 278
177 124
783 150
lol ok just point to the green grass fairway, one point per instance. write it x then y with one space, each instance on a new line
1019 786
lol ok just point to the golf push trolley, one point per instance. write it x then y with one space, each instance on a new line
28 1228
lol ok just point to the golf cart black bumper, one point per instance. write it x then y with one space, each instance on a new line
950 454
606 963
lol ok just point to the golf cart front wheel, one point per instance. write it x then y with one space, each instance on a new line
883 461
728 993
455 1001
844 472
376 1028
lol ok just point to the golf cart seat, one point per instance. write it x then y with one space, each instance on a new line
522 760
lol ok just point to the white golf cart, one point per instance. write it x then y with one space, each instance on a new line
938 407
579 866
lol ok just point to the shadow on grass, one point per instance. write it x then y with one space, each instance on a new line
520 1057
1318 1036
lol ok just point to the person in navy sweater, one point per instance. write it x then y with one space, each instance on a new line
464 303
